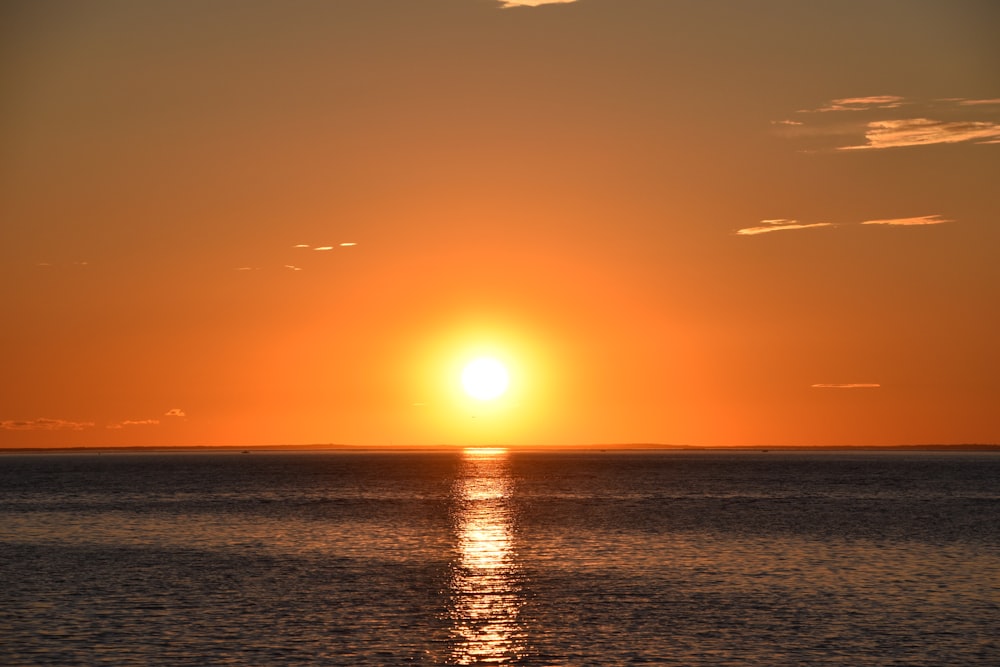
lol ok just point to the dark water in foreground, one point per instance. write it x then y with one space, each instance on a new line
485 557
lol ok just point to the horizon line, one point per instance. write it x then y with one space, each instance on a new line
968 446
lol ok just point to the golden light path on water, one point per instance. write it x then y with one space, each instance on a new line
485 584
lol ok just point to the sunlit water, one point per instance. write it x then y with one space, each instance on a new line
486 583
485 557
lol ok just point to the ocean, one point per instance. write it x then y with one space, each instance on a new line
490 557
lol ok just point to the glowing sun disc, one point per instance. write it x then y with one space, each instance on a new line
485 378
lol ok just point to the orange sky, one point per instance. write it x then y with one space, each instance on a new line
687 222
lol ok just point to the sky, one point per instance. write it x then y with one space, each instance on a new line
686 222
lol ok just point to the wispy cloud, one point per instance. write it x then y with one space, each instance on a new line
343 244
846 385
80 264
45 424
879 122
133 422
925 132
505 4
291 267
174 412
782 224
779 225
907 222
859 104
976 103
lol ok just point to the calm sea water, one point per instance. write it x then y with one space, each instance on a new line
487 557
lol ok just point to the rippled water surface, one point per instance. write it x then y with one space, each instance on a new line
485 557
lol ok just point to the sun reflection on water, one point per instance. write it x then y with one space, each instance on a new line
486 581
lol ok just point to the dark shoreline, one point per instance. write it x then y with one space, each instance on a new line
525 448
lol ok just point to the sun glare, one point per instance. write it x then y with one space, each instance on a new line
485 378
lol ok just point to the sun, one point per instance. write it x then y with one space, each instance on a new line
485 378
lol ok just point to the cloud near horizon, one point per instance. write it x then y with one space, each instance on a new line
846 385
133 422
45 424
174 412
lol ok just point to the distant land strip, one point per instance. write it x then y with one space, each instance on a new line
967 447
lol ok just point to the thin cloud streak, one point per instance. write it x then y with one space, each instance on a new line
782 224
133 422
507 4
779 226
174 412
973 103
909 222
45 424
847 385
325 247
859 104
